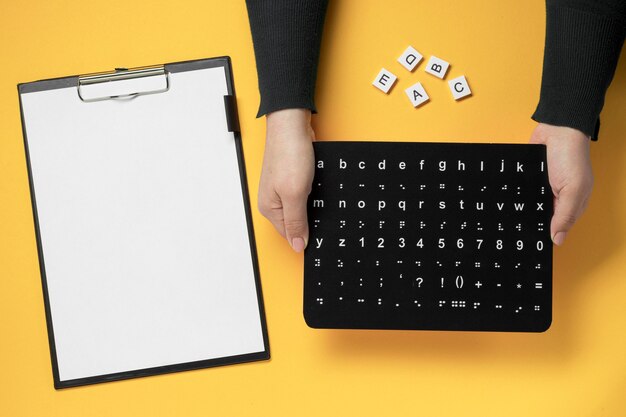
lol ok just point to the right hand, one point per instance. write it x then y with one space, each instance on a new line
569 172
287 174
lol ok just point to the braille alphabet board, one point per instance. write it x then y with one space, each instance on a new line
142 221
433 236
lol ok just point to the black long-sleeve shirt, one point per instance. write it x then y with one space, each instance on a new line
287 35
582 46
583 43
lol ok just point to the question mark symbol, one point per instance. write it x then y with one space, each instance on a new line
419 282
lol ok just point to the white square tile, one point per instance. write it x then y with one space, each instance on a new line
384 80
459 87
410 58
417 94
437 67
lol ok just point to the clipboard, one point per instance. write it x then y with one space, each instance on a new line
142 220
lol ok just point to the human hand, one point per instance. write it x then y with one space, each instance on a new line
287 174
569 172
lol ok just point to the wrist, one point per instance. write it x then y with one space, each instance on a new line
554 132
292 120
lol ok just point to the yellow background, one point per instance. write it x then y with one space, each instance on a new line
577 368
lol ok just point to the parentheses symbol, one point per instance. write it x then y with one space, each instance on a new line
459 281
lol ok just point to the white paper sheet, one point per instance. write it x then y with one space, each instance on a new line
143 228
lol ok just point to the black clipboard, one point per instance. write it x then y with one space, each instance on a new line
50 176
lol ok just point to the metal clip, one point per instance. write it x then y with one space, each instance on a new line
123 74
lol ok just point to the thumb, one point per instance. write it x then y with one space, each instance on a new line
567 209
295 220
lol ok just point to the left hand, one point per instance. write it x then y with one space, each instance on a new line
569 172
287 174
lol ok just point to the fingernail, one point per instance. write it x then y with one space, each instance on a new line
297 243
559 238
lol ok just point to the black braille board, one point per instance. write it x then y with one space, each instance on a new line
494 271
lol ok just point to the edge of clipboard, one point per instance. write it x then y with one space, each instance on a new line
243 176
42 268
183 66
248 211
162 370
48 84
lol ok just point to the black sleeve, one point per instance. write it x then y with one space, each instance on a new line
583 42
287 35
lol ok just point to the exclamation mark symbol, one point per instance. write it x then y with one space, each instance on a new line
441 282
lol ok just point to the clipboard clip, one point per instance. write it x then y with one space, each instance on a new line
121 74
